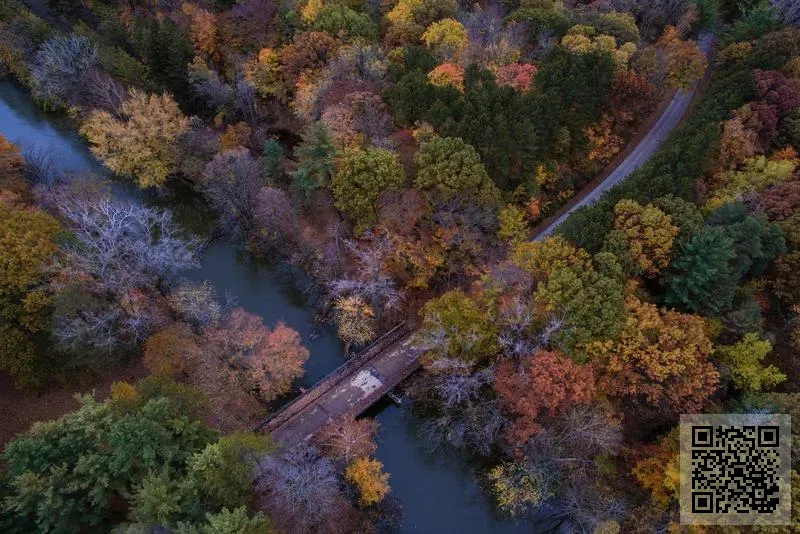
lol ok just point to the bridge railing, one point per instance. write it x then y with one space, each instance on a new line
351 365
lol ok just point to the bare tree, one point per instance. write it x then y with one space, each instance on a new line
196 304
122 245
586 507
300 490
467 414
60 66
105 92
347 438
41 166
233 180
789 10
275 215
371 283
246 100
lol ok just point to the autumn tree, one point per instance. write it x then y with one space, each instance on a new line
661 358
168 352
541 386
513 226
355 320
315 159
519 487
648 232
741 363
456 326
448 36
140 143
269 359
368 476
659 470
686 63
27 249
347 438
361 176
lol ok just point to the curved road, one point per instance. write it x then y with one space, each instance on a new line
644 150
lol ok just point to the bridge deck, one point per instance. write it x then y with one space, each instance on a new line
351 389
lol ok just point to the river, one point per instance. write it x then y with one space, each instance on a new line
438 493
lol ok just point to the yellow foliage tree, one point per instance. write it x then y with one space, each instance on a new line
447 36
368 476
355 320
649 233
661 357
140 144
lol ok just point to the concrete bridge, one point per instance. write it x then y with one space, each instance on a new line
352 388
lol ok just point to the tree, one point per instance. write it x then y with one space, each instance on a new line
340 20
742 364
686 63
346 438
224 469
140 144
60 67
540 386
204 31
12 167
659 470
308 51
99 457
196 304
233 181
270 360
447 74
700 279
518 488
513 226
315 159
448 36
368 476
300 490
649 233
756 242
589 298
168 352
449 165
27 251
123 245
166 51
661 358
518 76
361 176
355 320
455 326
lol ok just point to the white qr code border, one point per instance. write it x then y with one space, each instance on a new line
770 437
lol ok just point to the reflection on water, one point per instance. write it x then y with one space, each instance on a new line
439 494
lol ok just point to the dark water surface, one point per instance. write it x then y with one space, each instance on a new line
438 493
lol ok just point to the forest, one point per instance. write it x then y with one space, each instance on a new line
404 156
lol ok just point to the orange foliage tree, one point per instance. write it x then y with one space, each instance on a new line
268 359
170 351
542 385
518 76
447 74
661 358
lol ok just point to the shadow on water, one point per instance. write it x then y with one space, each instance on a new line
439 494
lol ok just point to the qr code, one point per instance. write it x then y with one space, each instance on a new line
735 469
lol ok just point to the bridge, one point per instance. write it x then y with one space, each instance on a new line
350 389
